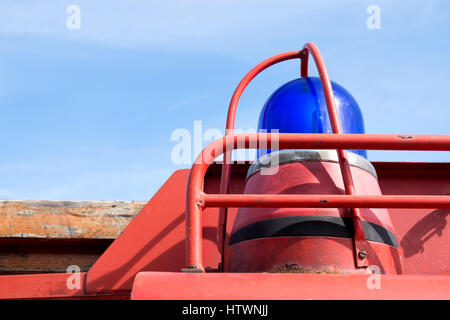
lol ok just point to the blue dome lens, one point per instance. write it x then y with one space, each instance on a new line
299 107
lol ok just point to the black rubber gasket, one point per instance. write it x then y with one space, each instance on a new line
298 226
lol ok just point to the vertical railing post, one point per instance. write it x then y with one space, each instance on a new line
194 225
359 242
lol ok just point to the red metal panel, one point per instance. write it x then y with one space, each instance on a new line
423 234
51 286
39 286
154 240
285 286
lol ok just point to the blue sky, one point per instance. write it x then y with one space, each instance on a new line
88 114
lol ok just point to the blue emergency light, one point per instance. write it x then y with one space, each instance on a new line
299 107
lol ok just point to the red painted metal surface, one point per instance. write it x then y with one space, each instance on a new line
197 200
286 286
153 241
309 178
423 234
51 286
305 178
39 286
331 255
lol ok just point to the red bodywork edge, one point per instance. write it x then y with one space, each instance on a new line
286 286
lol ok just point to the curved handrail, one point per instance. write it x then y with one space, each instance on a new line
225 177
252 74
309 48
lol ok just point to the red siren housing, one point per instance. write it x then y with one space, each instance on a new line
317 240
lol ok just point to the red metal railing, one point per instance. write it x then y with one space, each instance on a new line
359 238
197 200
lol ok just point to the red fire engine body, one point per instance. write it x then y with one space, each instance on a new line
367 230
